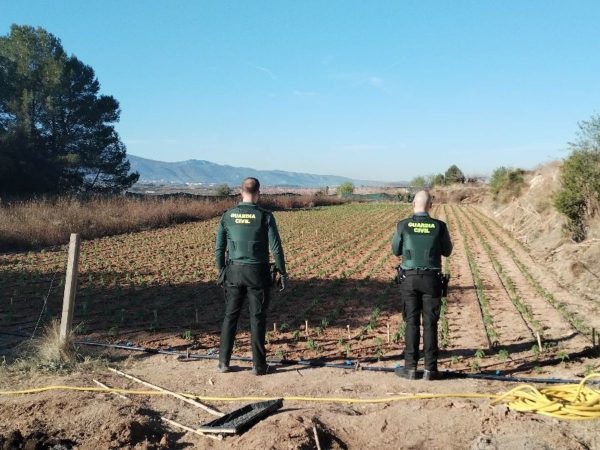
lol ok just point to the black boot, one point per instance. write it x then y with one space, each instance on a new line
431 375
260 371
223 367
408 374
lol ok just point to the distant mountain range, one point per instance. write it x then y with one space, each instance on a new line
195 171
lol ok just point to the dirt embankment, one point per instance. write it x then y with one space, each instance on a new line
533 220
460 193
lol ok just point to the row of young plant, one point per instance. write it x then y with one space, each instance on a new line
576 322
444 329
508 238
444 326
488 321
331 318
508 284
337 250
344 249
328 231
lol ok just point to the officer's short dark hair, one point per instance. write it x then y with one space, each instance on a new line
250 185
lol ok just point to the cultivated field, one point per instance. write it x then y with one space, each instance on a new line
156 288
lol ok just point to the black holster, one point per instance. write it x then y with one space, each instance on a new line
400 275
273 274
445 282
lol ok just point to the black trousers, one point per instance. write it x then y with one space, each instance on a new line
246 282
421 295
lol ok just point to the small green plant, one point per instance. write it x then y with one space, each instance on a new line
535 349
187 335
480 353
296 335
279 353
399 335
563 356
284 327
311 344
379 347
348 349
475 366
454 360
503 355
589 369
538 369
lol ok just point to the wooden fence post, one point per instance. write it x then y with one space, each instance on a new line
70 287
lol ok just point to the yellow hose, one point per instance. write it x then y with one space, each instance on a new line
568 401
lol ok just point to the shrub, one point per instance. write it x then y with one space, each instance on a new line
439 179
579 195
346 188
454 175
223 190
419 182
507 181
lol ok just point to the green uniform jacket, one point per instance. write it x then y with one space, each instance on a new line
421 241
247 232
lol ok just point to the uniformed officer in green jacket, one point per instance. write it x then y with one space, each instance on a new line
421 241
246 233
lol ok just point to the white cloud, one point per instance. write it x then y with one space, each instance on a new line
267 71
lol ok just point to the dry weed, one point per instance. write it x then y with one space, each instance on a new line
47 222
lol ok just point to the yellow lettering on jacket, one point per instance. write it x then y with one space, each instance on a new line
421 227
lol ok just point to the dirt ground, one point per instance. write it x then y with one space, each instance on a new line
63 420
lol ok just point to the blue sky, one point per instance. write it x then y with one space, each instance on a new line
380 90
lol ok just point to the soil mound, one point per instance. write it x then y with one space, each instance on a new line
460 193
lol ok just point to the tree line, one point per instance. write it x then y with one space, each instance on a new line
57 131
451 176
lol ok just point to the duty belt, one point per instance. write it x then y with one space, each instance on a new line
421 271
238 263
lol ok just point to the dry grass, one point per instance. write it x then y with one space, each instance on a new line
47 222
46 353
50 349
49 354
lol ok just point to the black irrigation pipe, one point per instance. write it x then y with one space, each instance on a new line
8 333
349 365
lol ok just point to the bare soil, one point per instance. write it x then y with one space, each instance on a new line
92 421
